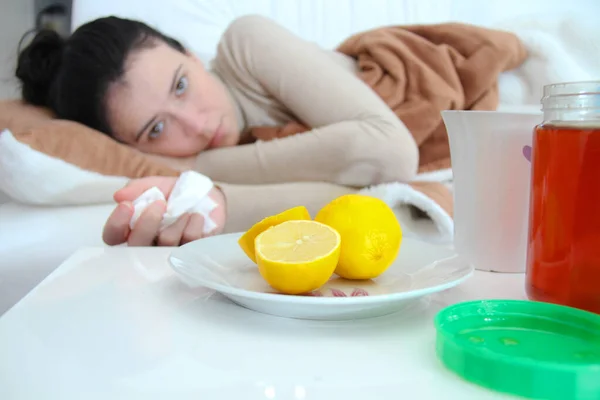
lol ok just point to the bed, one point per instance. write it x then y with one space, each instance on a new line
35 240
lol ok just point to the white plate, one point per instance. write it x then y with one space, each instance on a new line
421 269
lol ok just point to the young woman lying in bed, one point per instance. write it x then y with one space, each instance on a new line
145 89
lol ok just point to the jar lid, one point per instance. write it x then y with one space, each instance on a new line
526 348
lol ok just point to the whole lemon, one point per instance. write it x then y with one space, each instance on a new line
371 235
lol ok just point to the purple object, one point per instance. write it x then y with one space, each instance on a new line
527 152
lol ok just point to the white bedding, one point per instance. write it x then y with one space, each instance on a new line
34 240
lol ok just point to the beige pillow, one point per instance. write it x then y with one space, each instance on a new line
48 161
75 143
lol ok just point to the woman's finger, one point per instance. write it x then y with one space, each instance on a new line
194 229
136 187
148 225
171 235
116 228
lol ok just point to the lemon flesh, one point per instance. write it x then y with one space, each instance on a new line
246 241
371 235
297 257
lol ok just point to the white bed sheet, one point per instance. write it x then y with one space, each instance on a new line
199 23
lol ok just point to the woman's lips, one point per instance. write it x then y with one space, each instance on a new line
217 137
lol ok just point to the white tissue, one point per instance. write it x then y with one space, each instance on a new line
190 195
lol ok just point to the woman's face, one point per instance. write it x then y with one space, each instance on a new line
168 104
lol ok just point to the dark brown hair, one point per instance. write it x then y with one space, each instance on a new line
71 76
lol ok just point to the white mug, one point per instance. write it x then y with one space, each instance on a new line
491 163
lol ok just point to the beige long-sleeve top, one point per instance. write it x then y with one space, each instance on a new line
275 77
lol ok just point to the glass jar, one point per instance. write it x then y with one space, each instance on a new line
563 256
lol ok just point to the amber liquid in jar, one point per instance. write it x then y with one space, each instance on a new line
563 264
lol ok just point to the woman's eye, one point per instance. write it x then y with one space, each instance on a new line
182 85
156 130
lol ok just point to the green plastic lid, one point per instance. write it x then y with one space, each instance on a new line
530 349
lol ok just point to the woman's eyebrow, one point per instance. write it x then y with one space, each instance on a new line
144 128
147 124
174 83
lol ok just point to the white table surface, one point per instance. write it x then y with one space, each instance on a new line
116 323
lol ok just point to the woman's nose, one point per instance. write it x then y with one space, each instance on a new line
193 123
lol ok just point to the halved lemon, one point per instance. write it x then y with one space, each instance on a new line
297 257
246 241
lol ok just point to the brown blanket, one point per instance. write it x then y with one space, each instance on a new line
421 70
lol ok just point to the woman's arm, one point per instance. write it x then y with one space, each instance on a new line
356 139
238 208
248 204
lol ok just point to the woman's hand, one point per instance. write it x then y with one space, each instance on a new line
146 231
